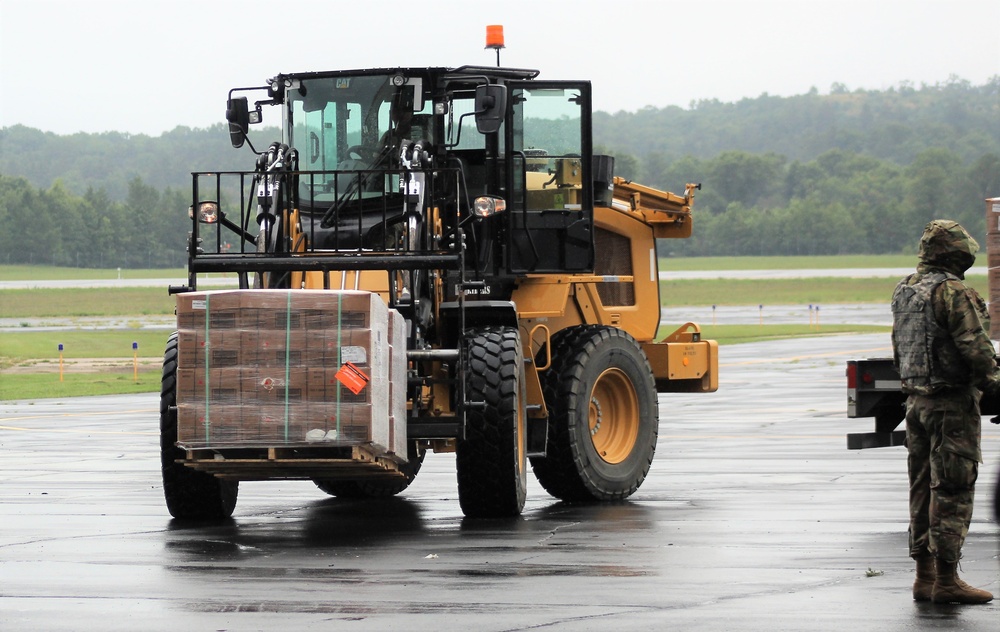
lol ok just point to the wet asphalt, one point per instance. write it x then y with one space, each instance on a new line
755 516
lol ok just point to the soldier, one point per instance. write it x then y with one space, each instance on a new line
945 358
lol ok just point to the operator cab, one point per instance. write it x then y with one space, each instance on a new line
364 138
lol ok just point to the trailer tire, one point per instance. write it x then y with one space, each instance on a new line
491 459
190 494
603 416
375 488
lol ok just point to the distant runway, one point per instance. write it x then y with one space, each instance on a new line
814 315
108 283
665 275
852 273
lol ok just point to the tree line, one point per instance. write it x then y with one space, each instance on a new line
848 172
53 226
895 124
839 203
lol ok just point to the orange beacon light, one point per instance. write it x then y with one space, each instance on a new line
494 38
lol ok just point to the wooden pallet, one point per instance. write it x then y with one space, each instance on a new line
354 463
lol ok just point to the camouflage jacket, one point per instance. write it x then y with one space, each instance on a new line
940 334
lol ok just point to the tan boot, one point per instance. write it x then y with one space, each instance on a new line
948 588
923 587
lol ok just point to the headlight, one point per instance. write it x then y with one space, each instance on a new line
208 212
488 205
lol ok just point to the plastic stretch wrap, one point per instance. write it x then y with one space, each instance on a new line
263 368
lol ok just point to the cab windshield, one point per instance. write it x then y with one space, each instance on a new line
351 124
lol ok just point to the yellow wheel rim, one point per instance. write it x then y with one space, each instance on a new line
614 416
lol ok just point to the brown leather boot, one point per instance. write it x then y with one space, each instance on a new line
948 588
923 587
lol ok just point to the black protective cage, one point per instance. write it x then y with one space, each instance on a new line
353 230
338 246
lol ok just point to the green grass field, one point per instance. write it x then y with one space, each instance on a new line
19 346
40 349
788 263
138 302
112 369
54 273
73 302
22 386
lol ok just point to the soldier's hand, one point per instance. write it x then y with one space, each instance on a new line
991 387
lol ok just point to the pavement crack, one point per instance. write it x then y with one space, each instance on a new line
554 531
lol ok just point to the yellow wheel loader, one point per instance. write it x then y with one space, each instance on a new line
428 259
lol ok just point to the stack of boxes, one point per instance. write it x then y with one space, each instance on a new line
279 368
993 263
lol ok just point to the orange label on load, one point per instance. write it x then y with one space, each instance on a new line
352 377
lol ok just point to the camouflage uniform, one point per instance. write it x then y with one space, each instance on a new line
945 357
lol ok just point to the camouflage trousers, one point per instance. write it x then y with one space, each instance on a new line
943 444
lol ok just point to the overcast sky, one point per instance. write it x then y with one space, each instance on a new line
147 66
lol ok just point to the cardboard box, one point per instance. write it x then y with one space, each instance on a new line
993 277
397 384
994 311
273 424
332 348
397 438
306 423
222 309
222 348
343 424
271 348
280 309
217 386
346 309
397 328
262 386
294 424
993 242
992 217
200 426
325 386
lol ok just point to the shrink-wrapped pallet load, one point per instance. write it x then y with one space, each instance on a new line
992 260
280 368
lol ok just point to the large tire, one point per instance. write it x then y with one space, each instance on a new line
603 416
359 489
491 462
190 494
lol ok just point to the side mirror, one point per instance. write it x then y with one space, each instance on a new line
238 115
491 104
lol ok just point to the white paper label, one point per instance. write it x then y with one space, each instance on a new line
354 355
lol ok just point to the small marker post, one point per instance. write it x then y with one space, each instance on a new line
60 362
135 362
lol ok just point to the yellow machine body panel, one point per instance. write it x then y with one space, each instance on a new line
683 362
623 291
